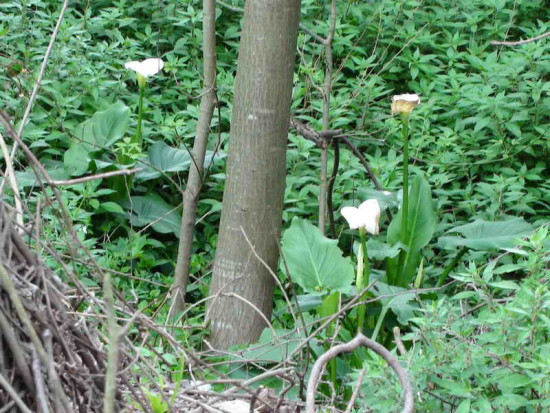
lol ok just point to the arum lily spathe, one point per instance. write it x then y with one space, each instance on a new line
365 217
404 103
145 69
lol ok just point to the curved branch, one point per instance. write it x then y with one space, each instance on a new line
520 42
363 161
359 341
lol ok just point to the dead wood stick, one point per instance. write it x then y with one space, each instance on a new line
363 161
17 351
8 285
356 391
398 342
13 394
520 42
39 384
94 177
359 341
7 407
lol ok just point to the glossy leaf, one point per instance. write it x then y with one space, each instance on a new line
153 210
76 160
315 262
486 235
421 225
103 129
162 158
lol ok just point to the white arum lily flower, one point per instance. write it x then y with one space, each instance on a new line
404 103
147 67
365 217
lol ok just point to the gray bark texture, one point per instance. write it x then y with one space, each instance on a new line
242 286
194 181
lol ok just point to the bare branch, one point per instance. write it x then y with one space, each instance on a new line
359 341
13 394
520 42
38 82
356 391
196 171
94 177
398 341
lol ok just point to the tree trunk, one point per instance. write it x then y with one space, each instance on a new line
242 286
194 181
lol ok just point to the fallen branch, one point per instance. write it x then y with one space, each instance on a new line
94 177
359 341
520 42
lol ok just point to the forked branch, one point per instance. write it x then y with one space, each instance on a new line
359 341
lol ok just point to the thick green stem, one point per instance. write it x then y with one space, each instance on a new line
451 266
123 184
405 208
139 137
379 322
363 278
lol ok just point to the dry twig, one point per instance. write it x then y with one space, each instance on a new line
520 42
359 341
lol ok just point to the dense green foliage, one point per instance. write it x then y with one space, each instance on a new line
479 139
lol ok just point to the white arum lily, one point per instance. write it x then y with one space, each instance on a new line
365 217
404 103
147 67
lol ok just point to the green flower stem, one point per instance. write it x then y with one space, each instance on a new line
123 184
405 209
363 277
379 322
139 137
451 266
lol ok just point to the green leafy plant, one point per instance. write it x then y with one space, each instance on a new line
483 349
420 226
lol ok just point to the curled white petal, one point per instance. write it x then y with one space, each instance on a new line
365 217
404 103
351 214
408 97
147 67
369 211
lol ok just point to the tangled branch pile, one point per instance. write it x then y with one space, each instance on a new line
49 361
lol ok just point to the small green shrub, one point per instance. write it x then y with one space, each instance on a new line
485 349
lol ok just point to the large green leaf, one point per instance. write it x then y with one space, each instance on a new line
314 261
272 348
163 158
104 128
421 220
168 159
486 235
27 178
76 159
153 210
420 228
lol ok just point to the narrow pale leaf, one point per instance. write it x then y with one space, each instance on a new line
486 235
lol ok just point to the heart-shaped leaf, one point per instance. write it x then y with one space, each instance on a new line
315 262
153 210
104 128
163 158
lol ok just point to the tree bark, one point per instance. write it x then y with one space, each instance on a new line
194 180
242 287
327 90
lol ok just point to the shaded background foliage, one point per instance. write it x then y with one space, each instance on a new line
480 135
